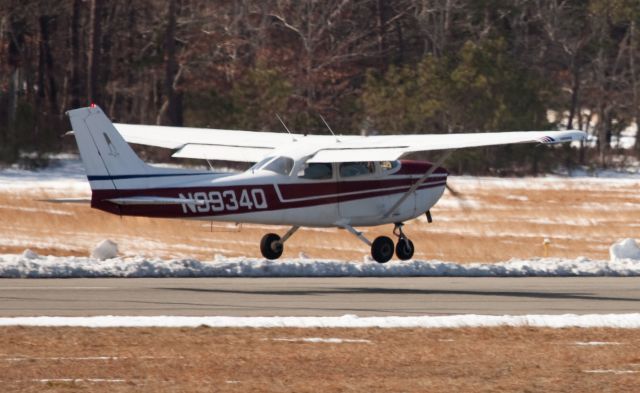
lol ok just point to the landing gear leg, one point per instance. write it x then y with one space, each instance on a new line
272 246
404 248
381 248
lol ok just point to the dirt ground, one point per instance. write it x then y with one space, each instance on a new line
248 360
493 220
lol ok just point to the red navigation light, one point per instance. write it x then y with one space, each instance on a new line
93 105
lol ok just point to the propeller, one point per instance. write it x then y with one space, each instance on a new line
460 198
453 192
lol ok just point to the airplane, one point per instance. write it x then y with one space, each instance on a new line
298 180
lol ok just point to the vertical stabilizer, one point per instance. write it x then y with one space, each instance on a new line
106 156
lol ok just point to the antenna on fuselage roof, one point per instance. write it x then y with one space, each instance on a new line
286 128
330 130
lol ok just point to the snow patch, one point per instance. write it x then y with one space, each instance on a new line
610 371
625 321
594 343
106 249
28 254
316 340
625 249
35 266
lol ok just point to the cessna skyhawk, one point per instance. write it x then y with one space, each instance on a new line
298 180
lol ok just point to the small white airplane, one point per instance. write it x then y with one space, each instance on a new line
298 180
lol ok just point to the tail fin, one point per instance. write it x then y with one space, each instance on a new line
107 157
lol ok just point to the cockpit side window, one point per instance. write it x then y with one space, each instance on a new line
351 169
281 165
317 171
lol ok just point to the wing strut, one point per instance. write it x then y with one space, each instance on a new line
417 184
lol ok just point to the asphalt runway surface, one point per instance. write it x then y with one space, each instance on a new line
318 296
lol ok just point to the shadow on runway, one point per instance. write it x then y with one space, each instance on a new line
406 291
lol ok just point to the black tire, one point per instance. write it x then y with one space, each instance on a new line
404 249
382 249
270 246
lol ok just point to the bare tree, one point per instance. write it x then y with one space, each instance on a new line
94 51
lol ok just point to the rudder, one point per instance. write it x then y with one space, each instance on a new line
104 153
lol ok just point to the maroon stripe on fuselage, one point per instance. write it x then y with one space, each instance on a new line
273 202
293 195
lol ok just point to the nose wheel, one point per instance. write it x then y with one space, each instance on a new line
404 248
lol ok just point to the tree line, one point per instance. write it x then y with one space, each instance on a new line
367 66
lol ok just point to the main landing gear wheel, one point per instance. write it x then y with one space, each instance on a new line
382 249
404 249
271 246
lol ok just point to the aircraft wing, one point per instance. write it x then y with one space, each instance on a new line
253 146
208 143
391 147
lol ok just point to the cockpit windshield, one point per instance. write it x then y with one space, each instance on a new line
282 165
260 163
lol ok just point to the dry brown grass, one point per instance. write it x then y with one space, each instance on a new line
491 224
245 360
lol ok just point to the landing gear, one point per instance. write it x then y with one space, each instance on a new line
272 246
382 249
404 248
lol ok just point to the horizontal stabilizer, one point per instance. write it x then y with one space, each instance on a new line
154 200
66 200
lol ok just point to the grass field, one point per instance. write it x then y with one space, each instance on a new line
493 220
313 360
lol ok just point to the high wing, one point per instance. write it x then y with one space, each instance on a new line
208 143
391 147
252 146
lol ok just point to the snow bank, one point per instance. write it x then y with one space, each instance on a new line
627 321
34 266
106 249
625 249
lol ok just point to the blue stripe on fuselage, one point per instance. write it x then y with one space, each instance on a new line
121 177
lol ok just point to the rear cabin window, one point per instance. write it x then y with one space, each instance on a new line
351 169
281 165
316 171
388 166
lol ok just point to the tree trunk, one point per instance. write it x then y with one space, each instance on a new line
604 134
94 51
76 60
173 102
46 79
634 83
16 43
574 95
381 32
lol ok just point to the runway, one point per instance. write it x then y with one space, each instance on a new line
318 296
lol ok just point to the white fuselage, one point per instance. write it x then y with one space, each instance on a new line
265 197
